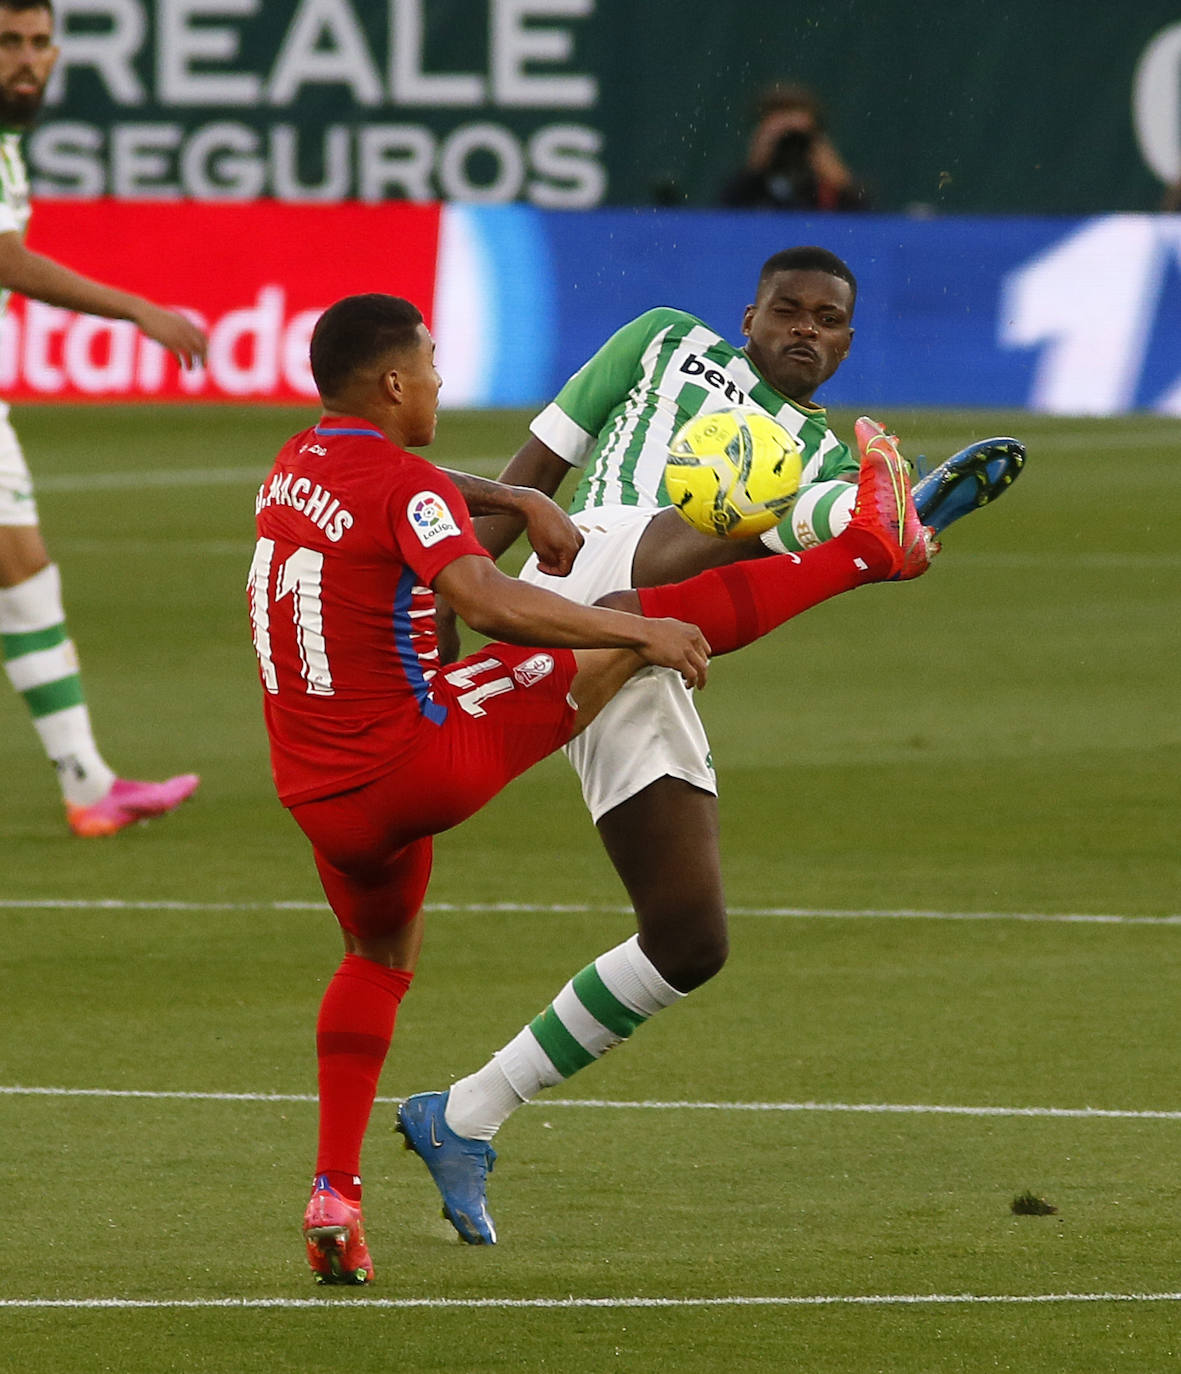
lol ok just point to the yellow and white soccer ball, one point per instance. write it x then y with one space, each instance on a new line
733 473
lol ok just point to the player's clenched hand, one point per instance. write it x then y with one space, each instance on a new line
178 334
554 536
675 644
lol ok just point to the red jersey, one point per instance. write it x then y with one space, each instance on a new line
352 532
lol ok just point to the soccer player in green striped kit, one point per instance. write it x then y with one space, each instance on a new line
35 645
644 763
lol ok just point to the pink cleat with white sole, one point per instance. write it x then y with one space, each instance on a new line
129 802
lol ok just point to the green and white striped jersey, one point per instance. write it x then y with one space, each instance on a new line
14 191
615 417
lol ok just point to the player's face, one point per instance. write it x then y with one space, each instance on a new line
420 382
799 330
27 55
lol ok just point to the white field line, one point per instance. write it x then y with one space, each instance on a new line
589 908
251 475
322 1305
1068 439
608 1104
155 477
117 545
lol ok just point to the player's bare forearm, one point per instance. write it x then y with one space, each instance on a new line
536 465
517 612
508 506
533 465
42 279
503 607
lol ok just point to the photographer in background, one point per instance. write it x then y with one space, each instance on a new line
792 164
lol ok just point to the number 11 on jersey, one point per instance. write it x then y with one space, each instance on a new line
297 577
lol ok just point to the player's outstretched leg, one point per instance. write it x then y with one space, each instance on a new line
972 478
335 1236
127 802
739 603
460 1167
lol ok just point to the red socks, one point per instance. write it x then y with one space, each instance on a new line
739 603
353 1034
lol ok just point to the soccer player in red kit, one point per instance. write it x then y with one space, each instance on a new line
375 748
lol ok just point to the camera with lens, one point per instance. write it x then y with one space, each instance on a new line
790 155
790 178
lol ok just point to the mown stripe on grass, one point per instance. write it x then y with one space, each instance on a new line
138 479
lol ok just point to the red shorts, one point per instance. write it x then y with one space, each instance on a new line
507 708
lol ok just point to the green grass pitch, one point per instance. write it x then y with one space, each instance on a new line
914 778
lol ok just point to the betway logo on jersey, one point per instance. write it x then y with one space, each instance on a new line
702 371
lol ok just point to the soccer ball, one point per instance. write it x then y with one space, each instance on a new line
733 473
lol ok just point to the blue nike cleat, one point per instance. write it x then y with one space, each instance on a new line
968 480
460 1167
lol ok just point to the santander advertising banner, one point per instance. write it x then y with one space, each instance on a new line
255 276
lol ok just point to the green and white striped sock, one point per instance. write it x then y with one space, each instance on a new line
42 665
596 1010
821 511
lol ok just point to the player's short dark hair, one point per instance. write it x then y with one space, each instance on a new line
20 6
784 95
357 332
808 260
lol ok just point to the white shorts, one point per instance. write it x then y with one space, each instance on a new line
17 505
651 729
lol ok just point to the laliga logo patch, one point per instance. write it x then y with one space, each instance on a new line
430 518
533 669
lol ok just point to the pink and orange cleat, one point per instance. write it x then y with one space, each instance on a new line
335 1236
885 505
129 802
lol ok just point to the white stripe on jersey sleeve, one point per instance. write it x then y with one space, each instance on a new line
558 431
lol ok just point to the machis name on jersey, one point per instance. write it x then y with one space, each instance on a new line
310 499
